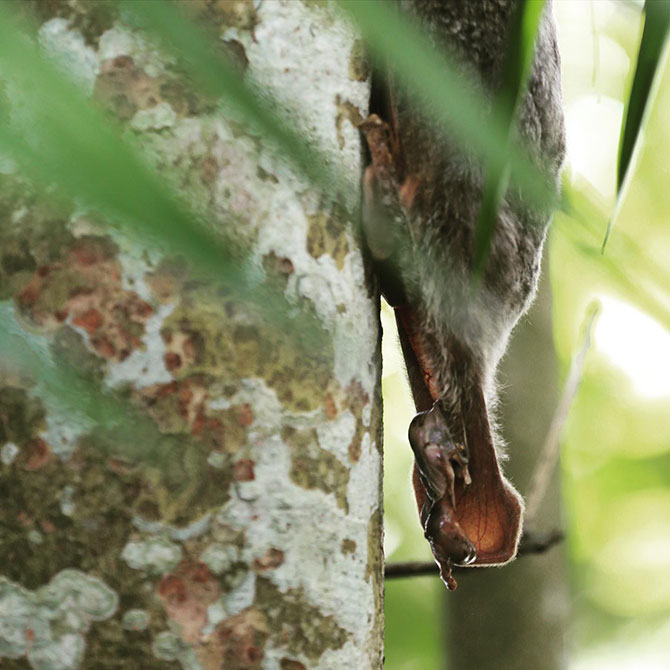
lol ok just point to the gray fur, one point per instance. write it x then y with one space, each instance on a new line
437 273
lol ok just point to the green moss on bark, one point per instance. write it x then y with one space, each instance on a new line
315 468
303 628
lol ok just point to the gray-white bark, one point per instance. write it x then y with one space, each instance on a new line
254 542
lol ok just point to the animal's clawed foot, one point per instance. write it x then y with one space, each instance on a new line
441 462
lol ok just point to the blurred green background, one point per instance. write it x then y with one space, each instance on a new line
615 452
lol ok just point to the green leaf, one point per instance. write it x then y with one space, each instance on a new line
654 37
79 397
615 274
516 68
587 208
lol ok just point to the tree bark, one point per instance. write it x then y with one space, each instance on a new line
515 618
239 524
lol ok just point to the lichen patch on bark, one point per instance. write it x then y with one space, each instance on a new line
124 88
375 559
83 288
359 66
305 630
224 14
49 625
346 112
244 345
314 467
238 643
324 236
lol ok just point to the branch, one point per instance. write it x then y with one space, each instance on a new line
531 543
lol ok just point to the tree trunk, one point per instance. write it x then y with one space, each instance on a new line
236 521
515 618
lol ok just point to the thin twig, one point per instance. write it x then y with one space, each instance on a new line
531 543
548 457
410 569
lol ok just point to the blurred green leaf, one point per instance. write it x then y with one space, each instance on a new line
654 37
586 207
70 143
617 275
516 68
79 395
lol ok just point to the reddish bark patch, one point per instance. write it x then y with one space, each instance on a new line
35 454
90 320
85 285
47 526
245 415
29 295
172 590
330 407
214 433
89 250
240 641
272 559
291 664
104 347
183 406
180 344
243 470
186 593
172 361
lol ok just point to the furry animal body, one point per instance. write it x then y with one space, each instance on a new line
424 189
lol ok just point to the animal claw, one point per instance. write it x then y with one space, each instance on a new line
440 462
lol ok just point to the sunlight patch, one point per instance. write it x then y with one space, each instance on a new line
592 126
637 344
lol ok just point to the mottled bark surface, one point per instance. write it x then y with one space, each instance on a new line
515 618
239 525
